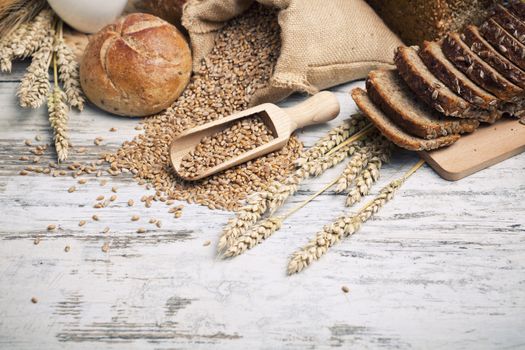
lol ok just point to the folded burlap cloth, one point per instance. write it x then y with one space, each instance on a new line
323 42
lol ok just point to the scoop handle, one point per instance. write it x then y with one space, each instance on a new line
319 108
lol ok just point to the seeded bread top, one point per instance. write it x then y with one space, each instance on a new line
517 7
388 91
502 40
478 70
510 22
472 37
432 91
441 67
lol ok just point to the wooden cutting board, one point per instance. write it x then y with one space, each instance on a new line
487 146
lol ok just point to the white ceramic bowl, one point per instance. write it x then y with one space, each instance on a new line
88 16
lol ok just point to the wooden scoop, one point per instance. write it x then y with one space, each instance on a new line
319 108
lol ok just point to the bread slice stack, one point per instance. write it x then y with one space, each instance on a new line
448 87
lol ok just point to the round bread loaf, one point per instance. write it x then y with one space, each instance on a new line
135 67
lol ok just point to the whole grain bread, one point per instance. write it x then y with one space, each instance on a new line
391 131
472 37
432 91
502 40
444 70
478 70
509 22
388 91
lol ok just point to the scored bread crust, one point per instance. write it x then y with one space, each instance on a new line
509 22
453 78
432 91
388 91
392 131
504 42
135 67
477 70
472 37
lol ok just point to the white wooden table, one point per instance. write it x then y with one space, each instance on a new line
441 266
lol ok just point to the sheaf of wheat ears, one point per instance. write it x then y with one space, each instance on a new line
271 199
264 228
344 226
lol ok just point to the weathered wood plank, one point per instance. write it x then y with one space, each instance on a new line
442 265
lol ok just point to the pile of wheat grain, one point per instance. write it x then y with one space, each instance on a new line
240 63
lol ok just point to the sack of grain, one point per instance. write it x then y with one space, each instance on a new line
323 42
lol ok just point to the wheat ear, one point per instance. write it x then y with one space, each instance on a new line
58 116
37 32
376 157
333 138
35 86
344 226
8 45
68 71
354 167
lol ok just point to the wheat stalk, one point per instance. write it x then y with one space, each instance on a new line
344 226
58 116
333 138
35 86
68 69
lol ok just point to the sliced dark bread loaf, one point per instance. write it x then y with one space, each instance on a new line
392 132
517 7
432 91
388 91
509 22
478 70
472 37
509 46
453 78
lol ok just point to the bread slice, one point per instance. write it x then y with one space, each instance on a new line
472 37
478 70
509 22
392 132
453 78
388 91
504 42
432 91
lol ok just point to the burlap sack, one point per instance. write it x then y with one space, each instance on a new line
323 42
